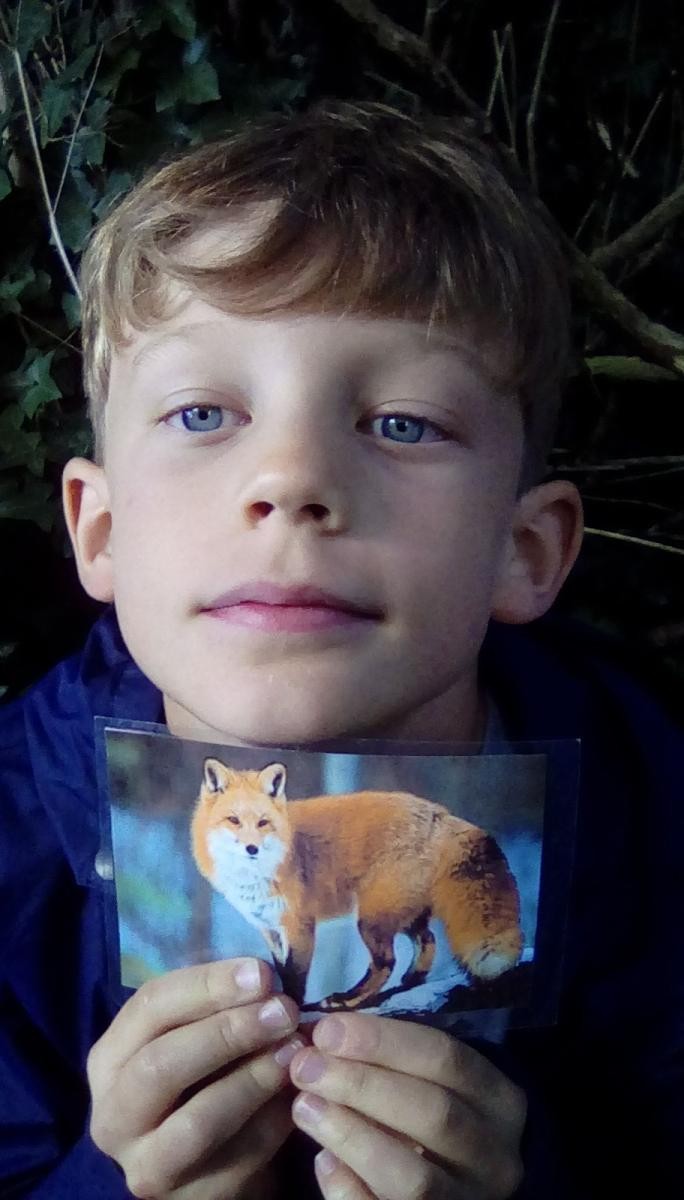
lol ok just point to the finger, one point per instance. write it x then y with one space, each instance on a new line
175 999
428 1054
337 1181
385 1164
155 1078
425 1114
236 1162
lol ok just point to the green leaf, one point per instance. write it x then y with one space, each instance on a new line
150 21
33 22
34 502
71 307
180 18
75 71
108 80
5 184
41 389
57 102
74 217
11 289
200 83
92 144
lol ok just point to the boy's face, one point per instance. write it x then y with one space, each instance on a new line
310 516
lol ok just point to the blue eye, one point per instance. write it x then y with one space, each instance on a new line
202 418
399 428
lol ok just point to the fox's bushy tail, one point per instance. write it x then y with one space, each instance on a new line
476 898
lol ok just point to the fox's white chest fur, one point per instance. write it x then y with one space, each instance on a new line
246 881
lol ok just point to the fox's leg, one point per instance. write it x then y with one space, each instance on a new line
423 951
379 938
300 953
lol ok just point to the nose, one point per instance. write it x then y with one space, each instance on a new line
252 850
298 488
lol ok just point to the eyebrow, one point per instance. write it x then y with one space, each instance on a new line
182 333
426 340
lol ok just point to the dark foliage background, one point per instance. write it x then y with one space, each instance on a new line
588 96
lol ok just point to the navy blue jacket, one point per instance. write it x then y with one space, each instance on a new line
605 1084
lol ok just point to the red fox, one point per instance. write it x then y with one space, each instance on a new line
393 859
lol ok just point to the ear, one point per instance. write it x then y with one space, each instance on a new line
272 780
85 497
215 775
544 542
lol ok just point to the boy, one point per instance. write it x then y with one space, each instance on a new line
323 359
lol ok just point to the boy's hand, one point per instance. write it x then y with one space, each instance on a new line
405 1111
185 1095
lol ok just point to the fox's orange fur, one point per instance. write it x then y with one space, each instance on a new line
394 859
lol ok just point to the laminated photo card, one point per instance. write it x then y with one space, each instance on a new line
383 879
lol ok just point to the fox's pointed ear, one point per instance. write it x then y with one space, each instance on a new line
272 780
87 510
544 541
215 775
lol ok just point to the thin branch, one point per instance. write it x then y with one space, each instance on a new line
432 8
624 366
644 231
619 464
77 125
56 236
536 90
411 49
499 47
663 345
500 80
629 158
635 541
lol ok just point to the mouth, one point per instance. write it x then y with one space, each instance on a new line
271 607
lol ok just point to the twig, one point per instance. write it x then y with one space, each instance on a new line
532 111
642 132
663 345
432 8
623 366
56 236
636 541
499 78
411 49
77 125
619 464
644 231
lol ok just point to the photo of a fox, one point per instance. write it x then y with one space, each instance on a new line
393 859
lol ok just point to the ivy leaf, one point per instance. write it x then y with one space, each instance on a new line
33 22
108 81
41 389
200 83
77 68
74 216
92 146
196 84
57 102
11 289
34 502
180 18
71 307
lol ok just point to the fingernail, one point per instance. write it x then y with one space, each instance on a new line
309 1109
330 1033
248 976
325 1162
287 1052
311 1068
274 1015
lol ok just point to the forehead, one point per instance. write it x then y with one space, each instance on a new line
196 329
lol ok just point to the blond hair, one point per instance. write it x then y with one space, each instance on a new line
362 209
